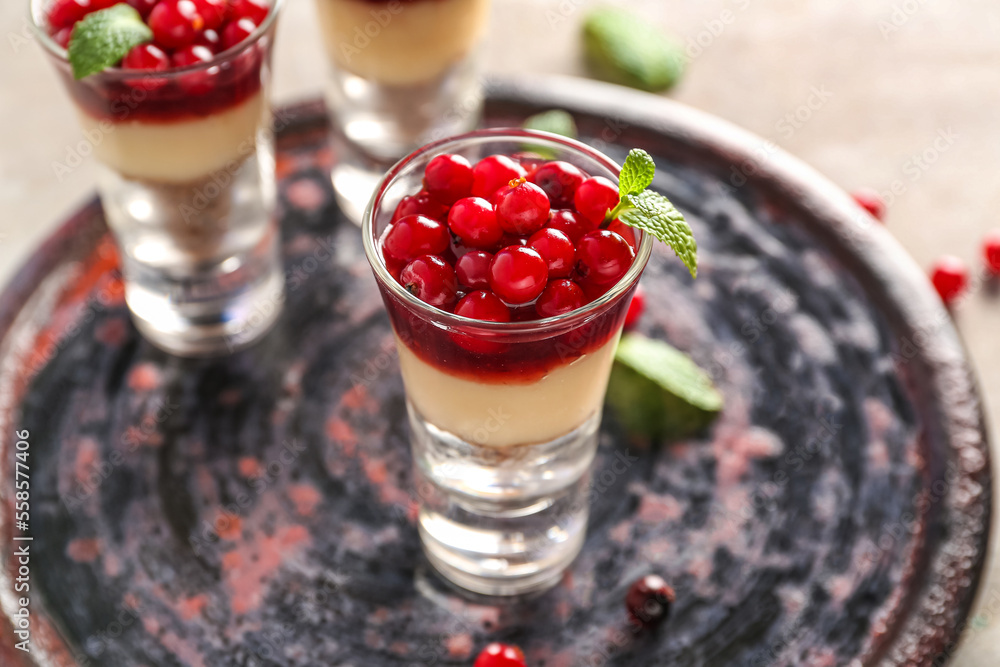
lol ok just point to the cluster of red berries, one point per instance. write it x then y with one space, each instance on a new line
511 238
185 32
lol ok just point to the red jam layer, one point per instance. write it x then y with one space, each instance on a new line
170 97
502 360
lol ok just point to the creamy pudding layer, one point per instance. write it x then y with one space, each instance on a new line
504 415
401 44
178 150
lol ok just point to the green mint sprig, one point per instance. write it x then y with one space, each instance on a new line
103 38
652 212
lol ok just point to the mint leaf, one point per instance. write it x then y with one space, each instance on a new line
637 173
658 391
652 212
625 48
555 121
103 38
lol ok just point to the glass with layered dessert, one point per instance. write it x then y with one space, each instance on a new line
507 290
403 73
181 128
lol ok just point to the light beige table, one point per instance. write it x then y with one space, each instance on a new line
885 93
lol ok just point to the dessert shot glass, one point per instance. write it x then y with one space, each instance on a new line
186 178
503 416
402 73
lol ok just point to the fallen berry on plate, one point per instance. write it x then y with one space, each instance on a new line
950 278
500 655
648 600
870 200
636 308
991 251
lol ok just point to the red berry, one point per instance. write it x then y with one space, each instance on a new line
413 236
420 204
559 180
523 208
991 251
64 13
175 23
146 57
213 11
483 305
235 32
191 54
144 7
199 82
635 308
473 269
649 600
500 655
492 173
210 39
595 197
571 223
950 277
518 274
448 178
255 10
558 297
430 279
475 223
62 37
870 200
556 249
603 257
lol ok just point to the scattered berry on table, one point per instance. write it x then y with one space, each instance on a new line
950 277
648 600
991 251
870 200
500 655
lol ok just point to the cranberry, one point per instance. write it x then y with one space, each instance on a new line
500 655
636 308
483 305
603 257
192 54
430 279
523 208
213 11
870 200
175 23
420 204
474 222
595 197
473 269
492 173
571 223
415 235
64 13
144 7
235 32
649 599
209 39
146 57
559 180
950 277
991 251
255 10
558 297
448 178
518 274
62 37
556 249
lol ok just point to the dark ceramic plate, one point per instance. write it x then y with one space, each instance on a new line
257 510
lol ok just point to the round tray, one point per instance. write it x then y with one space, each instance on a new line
256 510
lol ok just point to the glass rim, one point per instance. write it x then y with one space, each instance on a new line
57 51
644 241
